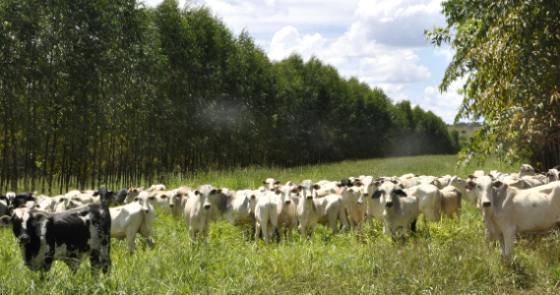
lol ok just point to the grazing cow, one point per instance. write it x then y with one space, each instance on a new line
429 201
242 208
311 210
198 211
68 236
130 219
266 214
400 210
508 211
451 201
271 183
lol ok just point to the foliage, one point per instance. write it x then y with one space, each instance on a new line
508 51
112 93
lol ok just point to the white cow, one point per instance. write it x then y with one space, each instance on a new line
136 217
508 211
198 210
354 204
312 210
526 170
429 201
451 201
400 210
242 208
266 214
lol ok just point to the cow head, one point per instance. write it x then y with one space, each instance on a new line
105 196
144 200
483 187
389 192
271 183
553 175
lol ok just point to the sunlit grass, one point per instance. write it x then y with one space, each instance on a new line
450 257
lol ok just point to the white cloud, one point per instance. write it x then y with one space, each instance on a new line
399 22
443 104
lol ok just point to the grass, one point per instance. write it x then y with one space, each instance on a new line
446 258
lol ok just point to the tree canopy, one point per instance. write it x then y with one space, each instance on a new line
509 53
111 92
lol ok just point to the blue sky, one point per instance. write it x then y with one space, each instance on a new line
381 42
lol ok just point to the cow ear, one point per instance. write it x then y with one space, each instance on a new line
436 182
264 182
470 185
378 183
497 184
394 181
316 186
376 194
358 183
96 193
197 192
277 182
400 193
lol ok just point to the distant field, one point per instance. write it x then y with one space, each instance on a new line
466 131
446 258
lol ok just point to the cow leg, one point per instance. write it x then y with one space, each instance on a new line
257 231
130 238
508 237
146 232
264 229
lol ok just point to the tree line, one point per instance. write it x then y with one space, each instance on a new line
110 92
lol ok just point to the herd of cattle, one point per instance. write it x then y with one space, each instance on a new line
80 223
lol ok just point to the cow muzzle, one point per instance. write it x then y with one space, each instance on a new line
309 197
486 204
389 204
287 202
207 206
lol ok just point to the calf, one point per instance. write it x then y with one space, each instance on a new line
67 236
130 219
400 210
553 175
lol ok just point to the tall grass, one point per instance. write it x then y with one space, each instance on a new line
450 257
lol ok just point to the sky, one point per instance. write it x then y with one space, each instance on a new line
381 42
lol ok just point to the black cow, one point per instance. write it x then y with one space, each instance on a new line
120 197
67 236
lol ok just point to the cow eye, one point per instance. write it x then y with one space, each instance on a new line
164 196
151 198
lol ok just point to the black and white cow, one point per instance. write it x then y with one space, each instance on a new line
68 236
